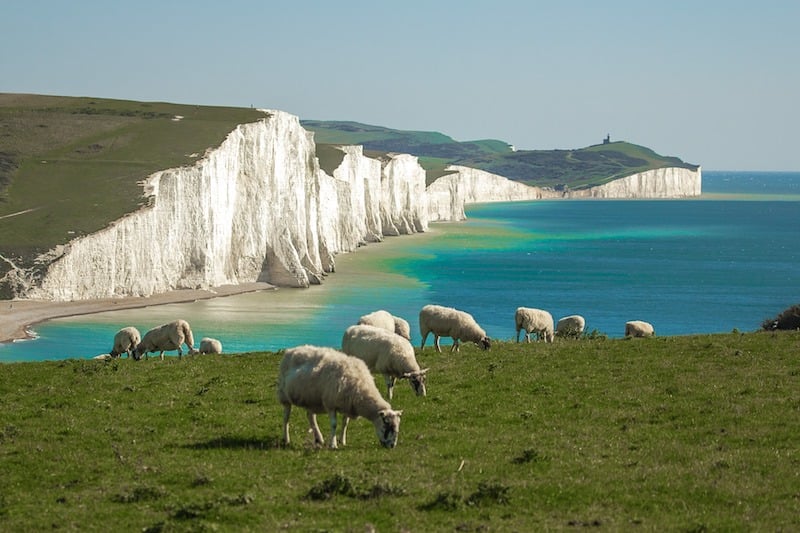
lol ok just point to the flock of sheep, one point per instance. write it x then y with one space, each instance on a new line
332 381
163 338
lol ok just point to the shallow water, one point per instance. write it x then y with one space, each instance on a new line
728 260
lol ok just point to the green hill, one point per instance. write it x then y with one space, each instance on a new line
576 169
69 166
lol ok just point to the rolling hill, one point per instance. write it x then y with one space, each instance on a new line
576 169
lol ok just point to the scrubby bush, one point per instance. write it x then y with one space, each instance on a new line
788 319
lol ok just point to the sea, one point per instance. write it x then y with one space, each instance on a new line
725 261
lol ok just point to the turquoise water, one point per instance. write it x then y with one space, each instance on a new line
727 260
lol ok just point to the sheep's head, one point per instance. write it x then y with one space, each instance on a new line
387 427
485 343
138 352
417 380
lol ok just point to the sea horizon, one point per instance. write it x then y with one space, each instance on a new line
663 261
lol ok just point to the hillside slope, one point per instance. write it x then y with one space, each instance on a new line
69 166
559 169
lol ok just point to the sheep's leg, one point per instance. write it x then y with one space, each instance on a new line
518 334
332 417
312 422
436 342
162 355
424 337
390 380
287 411
345 422
456 346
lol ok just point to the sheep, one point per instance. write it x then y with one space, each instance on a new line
209 345
385 353
536 321
449 322
570 326
639 328
125 341
325 380
384 319
165 337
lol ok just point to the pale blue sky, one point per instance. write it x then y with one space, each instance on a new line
715 83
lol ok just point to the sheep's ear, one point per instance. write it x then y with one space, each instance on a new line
423 371
407 375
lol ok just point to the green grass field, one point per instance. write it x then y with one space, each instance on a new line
695 433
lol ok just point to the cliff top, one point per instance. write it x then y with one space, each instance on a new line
574 168
69 166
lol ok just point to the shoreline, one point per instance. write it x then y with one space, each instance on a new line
18 316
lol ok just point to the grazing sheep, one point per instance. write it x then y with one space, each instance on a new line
209 345
449 322
536 321
125 341
385 353
384 319
570 326
639 328
166 337
324 380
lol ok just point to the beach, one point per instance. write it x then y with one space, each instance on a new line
17 316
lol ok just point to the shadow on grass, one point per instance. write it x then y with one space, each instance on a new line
230 442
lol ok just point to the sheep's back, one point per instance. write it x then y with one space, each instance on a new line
382 351
126 337
438 319
324 379
380 319
533 319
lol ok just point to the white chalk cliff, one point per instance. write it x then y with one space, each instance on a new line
448 194
670 182
260 208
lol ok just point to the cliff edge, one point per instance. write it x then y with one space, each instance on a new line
259 208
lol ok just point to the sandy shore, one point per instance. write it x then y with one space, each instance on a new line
17 316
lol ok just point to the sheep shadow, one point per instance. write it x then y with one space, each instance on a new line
232 442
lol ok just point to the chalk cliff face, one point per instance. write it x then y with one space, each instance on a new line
448 194
671 182
260 208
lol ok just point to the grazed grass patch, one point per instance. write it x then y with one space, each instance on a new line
673 433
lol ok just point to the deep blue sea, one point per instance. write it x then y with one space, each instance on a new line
727 260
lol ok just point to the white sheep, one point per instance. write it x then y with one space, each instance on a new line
325 380
125 341
536 321
570 326
449 322
209 345
166 337
389 322
385 353
639 328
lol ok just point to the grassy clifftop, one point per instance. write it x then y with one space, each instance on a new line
579 168
69 166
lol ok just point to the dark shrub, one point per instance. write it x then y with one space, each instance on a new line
788 319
